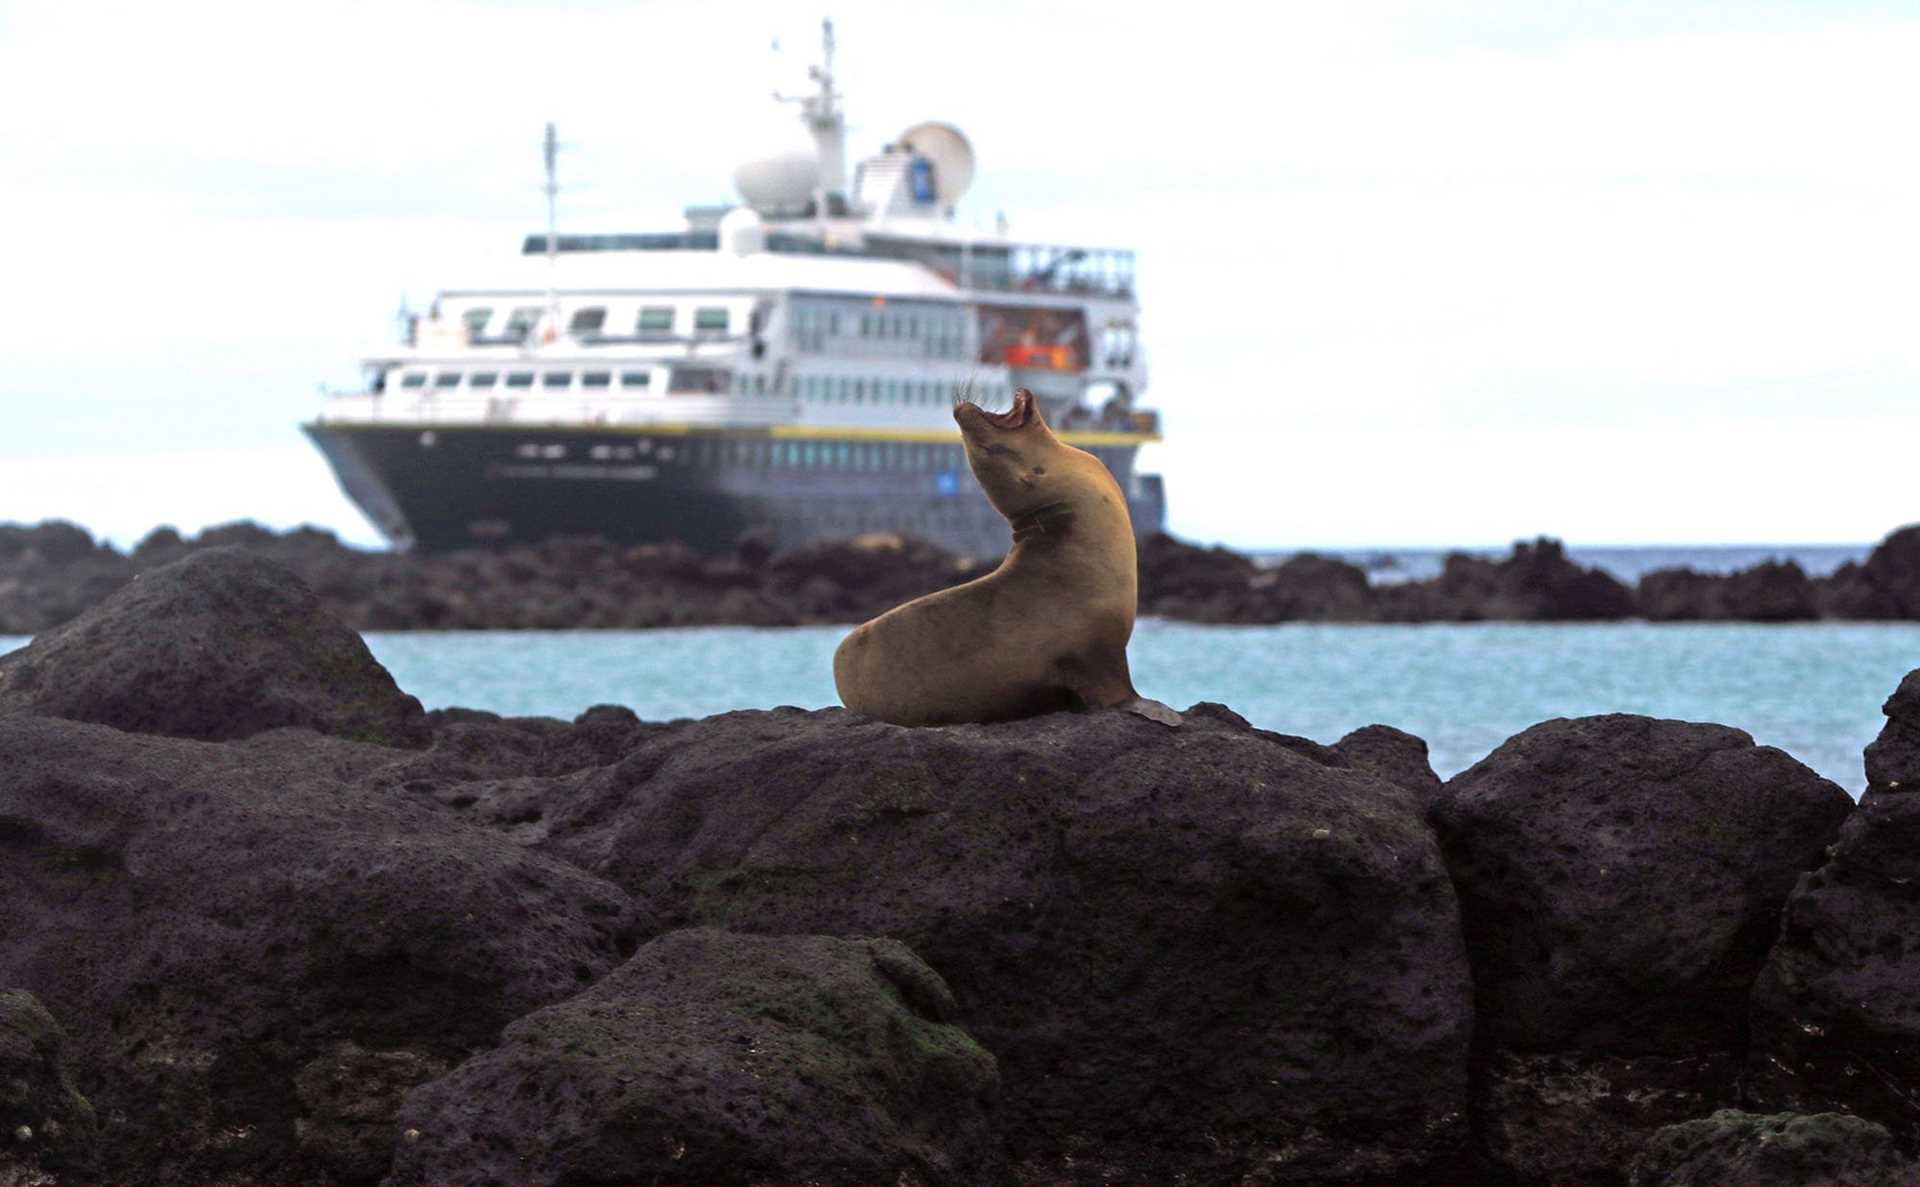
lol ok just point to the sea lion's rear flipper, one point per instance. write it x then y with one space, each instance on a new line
1152 710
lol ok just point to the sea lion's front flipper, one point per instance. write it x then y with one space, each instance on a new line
1153 710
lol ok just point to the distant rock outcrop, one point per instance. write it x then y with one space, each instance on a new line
50 573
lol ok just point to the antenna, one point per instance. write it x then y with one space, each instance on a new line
820 112
552 152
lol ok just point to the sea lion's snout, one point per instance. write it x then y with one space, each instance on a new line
966 412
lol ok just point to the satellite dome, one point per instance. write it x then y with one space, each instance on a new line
742 232
782 183
950 153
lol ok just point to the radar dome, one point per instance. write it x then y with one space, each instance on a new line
782 183
742 233
947 148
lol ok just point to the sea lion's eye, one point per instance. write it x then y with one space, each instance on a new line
1039 470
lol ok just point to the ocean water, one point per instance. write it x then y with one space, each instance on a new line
1812 689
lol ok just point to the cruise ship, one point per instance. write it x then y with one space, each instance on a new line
785 366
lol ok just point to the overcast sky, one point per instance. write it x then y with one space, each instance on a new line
1412 274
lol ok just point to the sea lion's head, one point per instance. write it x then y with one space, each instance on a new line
1020 464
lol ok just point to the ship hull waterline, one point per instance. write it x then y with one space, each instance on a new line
438 487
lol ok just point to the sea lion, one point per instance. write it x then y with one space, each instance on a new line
1046 630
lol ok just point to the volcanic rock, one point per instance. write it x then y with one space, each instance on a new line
220 645
1893 567
1181 580
1393 755
1784 1150
45 1124
1620 879
1537 583
207 919
1772 591
1893 758
1310 588
350 1103
1836 1019
1193 951
712 1059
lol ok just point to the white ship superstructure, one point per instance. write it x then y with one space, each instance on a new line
786 365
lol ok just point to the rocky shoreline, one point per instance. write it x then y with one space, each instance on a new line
269 923
53 571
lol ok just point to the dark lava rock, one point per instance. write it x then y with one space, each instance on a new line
1537 583
1893 758
207 919
1620 880
1579 1119
1836 1012
220 645
1310 588
1772 591
45 1124
350 1103
1893 567
1185 581
1735 1149
1621 877
849 580
720 1060
1394 755
1200 952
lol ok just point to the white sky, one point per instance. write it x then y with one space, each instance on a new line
1421 273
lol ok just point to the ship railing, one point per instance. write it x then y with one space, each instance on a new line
364 408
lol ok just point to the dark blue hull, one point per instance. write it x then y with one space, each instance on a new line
441 487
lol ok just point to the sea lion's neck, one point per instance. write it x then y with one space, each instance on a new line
1049 524
1074 545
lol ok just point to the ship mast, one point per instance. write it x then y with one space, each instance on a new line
552 147
820 112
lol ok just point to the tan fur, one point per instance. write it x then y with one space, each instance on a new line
1046 630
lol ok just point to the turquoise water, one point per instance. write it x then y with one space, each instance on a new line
1813 689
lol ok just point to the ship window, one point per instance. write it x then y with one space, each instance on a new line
595 378
656 319
557 379
519 379
833 323
588 321
447 379
866 326
413 379
710 317
520 322
484 379
476 320
699 381
635 378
